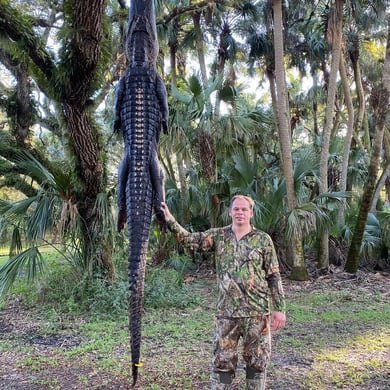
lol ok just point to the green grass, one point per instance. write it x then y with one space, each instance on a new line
344 332
3 259
334 338
329 307
352 362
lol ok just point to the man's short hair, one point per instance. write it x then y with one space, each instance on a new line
247 198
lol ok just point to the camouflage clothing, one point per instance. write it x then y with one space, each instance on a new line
248 280
247 269
256 343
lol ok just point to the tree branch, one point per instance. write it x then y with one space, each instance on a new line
177 11
19 30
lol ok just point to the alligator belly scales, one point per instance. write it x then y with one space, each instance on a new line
141 112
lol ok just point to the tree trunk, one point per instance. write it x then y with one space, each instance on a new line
361 109
87 19
69 82
335 37
206 146
381 183
384 179
316 127
272 89
199 46
299 271
348 136
381 101
97 247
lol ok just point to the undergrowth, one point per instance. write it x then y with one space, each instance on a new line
62 289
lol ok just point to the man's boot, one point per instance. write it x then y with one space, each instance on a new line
255 380
221 380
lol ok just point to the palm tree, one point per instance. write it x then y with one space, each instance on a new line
299 271
349 133
251 175
380 104
335 38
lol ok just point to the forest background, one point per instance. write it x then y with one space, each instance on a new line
287 102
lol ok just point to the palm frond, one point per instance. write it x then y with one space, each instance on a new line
59 181
16 245
34 168
332 200
305 220
15 212
103 209
372 238
40 220
30 262
384 218
69 218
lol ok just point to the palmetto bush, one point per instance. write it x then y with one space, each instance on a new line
244 174
48 219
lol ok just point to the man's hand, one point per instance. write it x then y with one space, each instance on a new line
278 320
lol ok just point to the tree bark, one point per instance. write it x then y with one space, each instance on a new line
299 271
384 179
335 37
206 145
87 19
361 109
348 135
381 183
380 104
69 82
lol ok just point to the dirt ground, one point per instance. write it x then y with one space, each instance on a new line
21 328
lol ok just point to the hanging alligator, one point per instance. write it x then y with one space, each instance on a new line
141 112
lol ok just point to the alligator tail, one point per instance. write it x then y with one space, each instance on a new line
139 213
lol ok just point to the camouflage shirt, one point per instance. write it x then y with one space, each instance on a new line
247 269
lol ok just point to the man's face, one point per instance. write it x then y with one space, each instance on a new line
241 212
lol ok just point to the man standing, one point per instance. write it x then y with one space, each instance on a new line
248 280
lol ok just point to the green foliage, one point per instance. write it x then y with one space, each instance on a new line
182 264
63 289
165 287
50 218
29 261
104 299
375 241
238 39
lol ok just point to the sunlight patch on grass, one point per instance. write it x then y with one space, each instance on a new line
352 363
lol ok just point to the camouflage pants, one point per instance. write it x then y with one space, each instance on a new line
256 339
